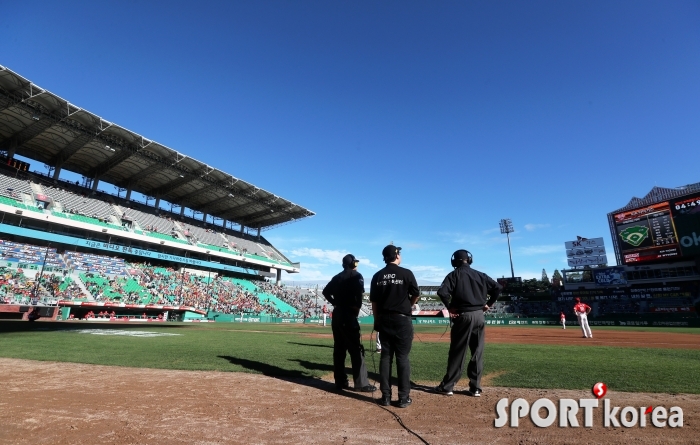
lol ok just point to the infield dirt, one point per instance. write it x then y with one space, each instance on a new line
65 403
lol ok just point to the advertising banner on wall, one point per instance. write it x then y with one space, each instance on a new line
586 252
587 261
591 242
610 276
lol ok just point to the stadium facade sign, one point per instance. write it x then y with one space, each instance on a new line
611 276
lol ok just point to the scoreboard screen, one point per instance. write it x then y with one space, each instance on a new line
16 163
646 234
666 230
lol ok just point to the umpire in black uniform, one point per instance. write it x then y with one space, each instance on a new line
393 291
344 292
463 292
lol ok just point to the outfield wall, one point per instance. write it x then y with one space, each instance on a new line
438 321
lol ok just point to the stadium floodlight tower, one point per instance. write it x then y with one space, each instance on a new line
507 228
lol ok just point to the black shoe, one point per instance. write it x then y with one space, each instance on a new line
404 403
474 393
441 390
342 387
368 388
384 401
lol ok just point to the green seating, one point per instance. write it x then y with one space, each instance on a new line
19 205
90 220
166 237
66 283
213 247
245 284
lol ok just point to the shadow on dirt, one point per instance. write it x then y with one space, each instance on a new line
298 377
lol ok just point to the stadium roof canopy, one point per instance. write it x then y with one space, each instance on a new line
40 125
657 195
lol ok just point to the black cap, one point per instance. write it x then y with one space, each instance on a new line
389 252
350 261
461 255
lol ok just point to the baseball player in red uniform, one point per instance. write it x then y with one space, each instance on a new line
562 317
325 314
582 310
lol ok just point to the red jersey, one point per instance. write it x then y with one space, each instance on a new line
581 308
562 316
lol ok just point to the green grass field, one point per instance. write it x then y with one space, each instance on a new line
285 351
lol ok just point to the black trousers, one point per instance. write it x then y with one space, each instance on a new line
467 331
397 339
346 338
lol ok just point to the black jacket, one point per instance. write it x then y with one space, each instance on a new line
392 289
345 289
465 289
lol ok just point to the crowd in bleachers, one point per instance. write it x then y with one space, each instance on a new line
232 298
17 288
431 305
14 286
304 300
146 284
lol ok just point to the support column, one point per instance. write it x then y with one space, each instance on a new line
57 171
95 182
182 210
128 194
242 227
279 276
157 202
204 217
13 148
258 233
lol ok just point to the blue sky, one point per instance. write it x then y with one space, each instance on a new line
421 123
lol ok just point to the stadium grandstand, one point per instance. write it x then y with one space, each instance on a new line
73 244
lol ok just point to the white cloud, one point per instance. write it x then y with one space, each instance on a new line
307 274
533 227
428 273
540 250
327 256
